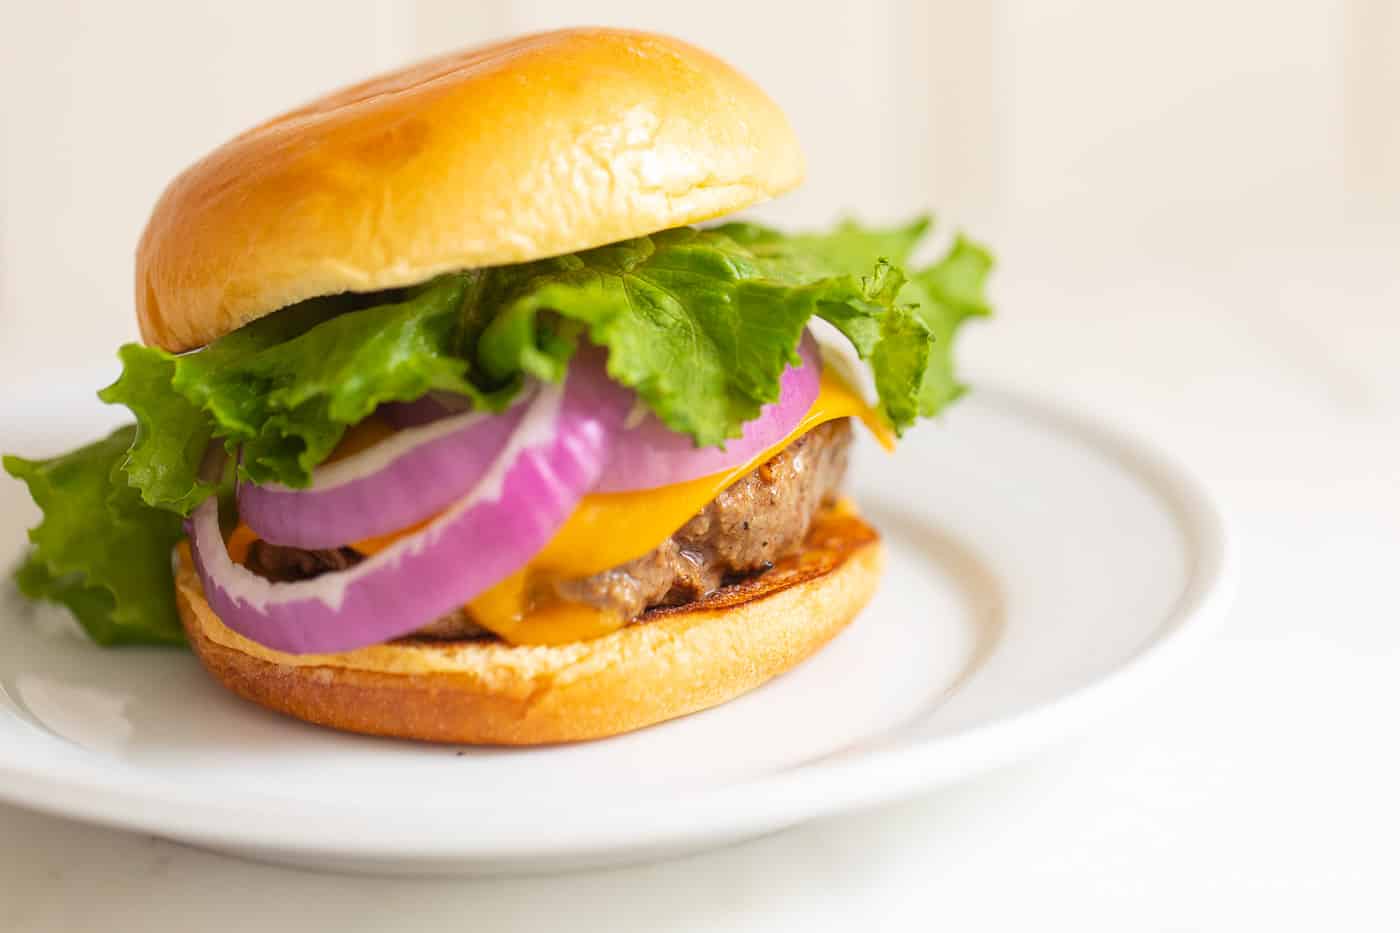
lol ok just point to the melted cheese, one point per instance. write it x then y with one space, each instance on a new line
608 529
239 542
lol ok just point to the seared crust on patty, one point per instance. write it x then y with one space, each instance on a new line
741 531
676 661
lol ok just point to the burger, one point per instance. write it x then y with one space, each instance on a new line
451 424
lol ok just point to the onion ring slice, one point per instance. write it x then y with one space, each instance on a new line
399 482
551 460
650 454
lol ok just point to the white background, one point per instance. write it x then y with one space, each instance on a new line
1197 209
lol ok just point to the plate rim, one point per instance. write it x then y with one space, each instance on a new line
738 808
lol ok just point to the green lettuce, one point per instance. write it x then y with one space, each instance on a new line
698 322
701 323
941 296
286 387
100 550
170 435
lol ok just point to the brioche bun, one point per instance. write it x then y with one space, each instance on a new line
523 149
670 663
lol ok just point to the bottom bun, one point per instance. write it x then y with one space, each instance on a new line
669 663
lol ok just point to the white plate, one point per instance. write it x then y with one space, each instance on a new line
1041 568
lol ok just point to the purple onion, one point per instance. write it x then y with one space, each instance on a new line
392 485
651 454
554 456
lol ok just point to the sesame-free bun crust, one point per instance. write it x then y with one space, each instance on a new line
674 662
523 149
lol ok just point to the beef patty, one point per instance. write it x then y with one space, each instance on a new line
742 531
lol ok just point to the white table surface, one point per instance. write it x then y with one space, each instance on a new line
1256 790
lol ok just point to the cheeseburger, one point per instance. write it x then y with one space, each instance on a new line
451 424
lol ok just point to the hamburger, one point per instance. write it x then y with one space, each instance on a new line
461 416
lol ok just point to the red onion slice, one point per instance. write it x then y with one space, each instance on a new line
394 484
534 483
424 468
650 454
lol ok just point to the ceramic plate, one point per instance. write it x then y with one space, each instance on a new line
1040 569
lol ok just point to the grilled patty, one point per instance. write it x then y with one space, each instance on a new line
741 531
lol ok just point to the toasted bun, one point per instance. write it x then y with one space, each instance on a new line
673 662
534 147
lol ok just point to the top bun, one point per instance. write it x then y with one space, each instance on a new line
535 147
